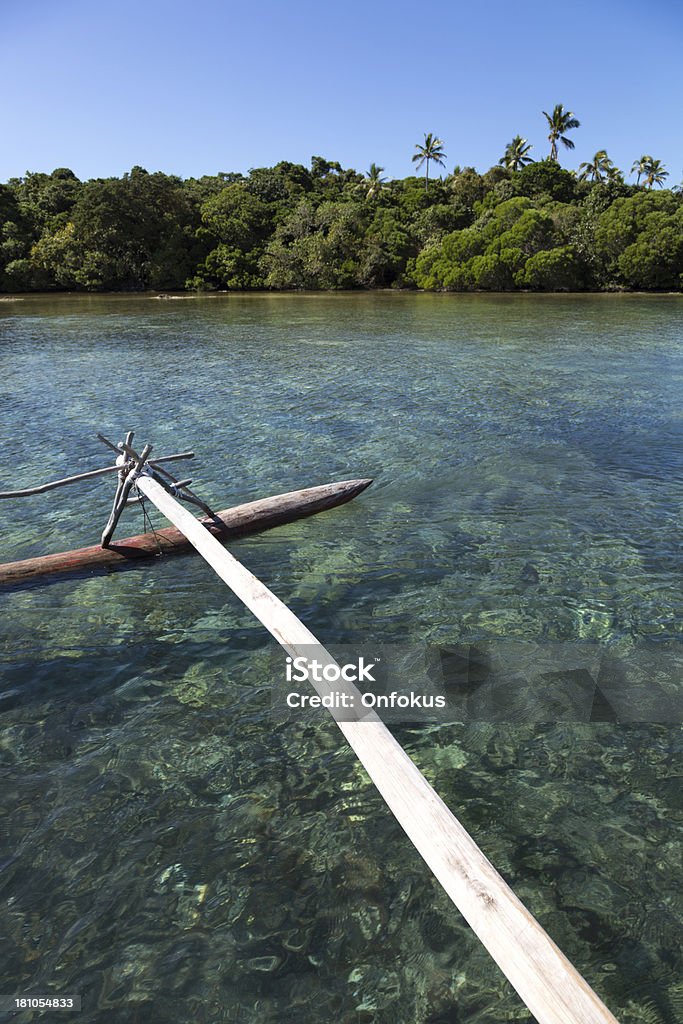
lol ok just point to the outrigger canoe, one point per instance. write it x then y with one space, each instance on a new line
252 517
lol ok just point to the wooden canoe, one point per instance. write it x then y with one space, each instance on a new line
239 521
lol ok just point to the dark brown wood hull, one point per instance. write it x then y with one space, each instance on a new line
239 521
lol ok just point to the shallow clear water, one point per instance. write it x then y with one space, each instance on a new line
169 852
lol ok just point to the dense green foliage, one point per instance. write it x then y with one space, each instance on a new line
521 225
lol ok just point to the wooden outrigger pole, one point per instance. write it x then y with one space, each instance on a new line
547 982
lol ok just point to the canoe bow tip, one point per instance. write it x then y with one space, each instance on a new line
355 487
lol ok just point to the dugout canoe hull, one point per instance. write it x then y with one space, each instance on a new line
252 517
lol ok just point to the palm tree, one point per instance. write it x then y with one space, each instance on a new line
655 172
374 181
432 150
560 122
515 156
639 166
600 166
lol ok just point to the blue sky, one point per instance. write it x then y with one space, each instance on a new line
196 88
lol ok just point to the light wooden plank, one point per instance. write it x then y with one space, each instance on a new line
547 982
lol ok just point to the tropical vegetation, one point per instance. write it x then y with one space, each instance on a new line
598 168
655 172
431 150
374 181
560 122
519 225
516 154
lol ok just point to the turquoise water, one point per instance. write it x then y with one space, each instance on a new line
168 851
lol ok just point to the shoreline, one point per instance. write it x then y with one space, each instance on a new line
319 293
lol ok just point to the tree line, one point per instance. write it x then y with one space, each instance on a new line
519 225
